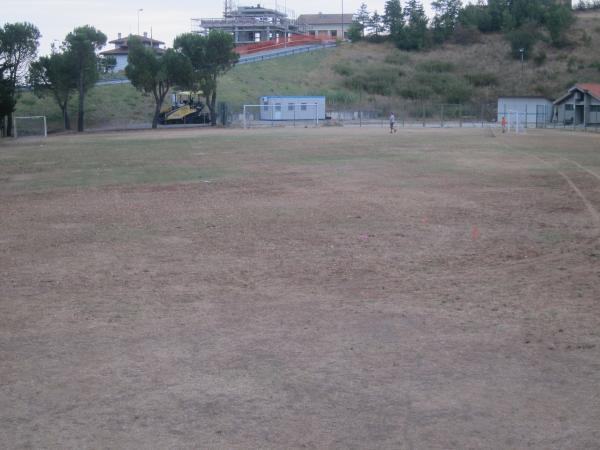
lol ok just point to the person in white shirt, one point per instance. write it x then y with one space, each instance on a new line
392 123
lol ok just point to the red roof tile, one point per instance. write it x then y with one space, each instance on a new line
592 88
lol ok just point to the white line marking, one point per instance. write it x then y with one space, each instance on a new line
591 209
591 172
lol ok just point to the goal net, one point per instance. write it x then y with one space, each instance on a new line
288 114
516 122
31 126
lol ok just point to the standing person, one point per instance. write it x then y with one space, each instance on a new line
392 123
503 124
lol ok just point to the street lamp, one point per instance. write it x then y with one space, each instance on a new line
522 52
343 21
287 25
138 14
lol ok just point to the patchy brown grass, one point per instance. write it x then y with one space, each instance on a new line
329 288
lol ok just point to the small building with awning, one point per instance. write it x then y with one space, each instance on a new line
580 106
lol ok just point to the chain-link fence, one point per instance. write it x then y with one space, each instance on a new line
420 114
407 114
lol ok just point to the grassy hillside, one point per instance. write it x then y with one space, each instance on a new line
111 106
375 76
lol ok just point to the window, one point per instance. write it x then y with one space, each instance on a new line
333 33
302 106
290 106
568 107
311 33
594 108
278 107
265 107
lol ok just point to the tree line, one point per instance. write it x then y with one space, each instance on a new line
409 28
74 67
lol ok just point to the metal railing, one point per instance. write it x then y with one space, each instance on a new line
281 53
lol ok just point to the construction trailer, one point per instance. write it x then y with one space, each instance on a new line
250 24
292 108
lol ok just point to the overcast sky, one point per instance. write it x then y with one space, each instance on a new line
56 18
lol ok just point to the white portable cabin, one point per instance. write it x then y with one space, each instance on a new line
534 111
292 108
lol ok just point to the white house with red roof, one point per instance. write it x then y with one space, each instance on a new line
121 48
580 106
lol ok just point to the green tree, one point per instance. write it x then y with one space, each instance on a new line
363 17
393 18
524 39
7 101
476 16
155 74
558 19
497 10
377 24
211 56
55 75
18 47
82 44
416 33
445 19
355 31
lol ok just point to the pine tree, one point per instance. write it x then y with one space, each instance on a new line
393 17
363 17
415 35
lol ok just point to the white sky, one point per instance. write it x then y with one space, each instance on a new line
56 18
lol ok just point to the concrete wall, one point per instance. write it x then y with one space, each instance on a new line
121 62
333 31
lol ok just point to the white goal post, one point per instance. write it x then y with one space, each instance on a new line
303 113
516 122
27 126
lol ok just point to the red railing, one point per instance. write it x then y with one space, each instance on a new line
274 44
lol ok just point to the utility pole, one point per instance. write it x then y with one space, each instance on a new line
343 21
138 14
287 24
522 51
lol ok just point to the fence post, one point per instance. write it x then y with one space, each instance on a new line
442 115
460 115
423 114
482 115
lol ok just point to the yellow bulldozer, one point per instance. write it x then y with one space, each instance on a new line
185 107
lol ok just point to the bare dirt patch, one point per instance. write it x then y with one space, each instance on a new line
330 288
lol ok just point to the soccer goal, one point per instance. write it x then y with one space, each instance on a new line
30 126
516 122
289 114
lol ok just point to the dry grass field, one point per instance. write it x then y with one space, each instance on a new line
336 288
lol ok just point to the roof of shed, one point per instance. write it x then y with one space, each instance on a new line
145 39
325 19
125 51
592 89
